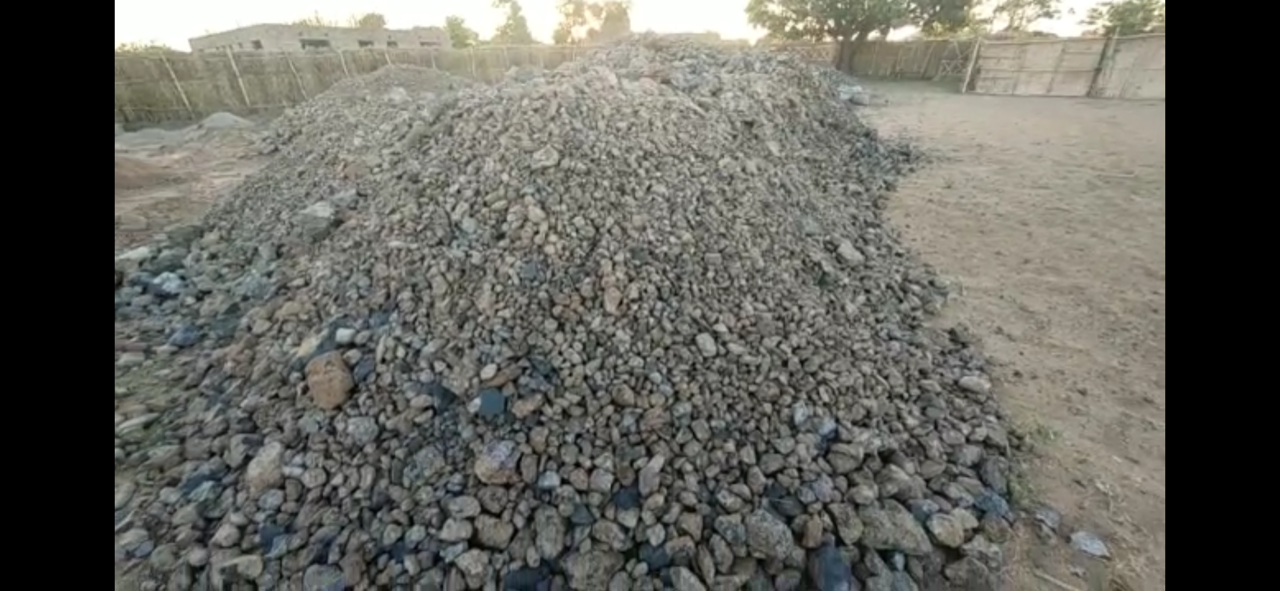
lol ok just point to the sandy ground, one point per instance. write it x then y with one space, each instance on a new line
172 176
1049 216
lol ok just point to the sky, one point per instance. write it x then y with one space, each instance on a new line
172 22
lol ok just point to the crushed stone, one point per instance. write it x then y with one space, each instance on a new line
634 320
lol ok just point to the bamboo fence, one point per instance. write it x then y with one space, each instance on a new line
171 86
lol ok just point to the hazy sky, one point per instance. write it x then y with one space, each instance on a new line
172 22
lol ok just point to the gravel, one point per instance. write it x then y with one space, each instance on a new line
633 323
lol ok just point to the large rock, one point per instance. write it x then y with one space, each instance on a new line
829 570
894 528
329 380
265 471
848 524
498 463
592 570
768 535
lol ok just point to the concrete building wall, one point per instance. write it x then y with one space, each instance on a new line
302 37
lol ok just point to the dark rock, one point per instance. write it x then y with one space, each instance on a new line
991 503
655 557
184 336
627 497
829 572
528 579
493 403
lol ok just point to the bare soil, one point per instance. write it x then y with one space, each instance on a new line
163 183
1049 216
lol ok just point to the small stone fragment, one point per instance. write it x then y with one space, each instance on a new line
1090 544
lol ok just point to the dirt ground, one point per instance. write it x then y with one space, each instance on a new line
1049 217
167 176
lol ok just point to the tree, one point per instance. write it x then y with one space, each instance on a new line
315 20
369 20
460 35
1125 17
514 29
1017 16
851 21
949 18
591 22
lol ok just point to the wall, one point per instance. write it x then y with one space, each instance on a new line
288 38
912 60
1124 67
1135 69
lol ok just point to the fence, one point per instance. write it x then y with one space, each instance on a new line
153 87
175 86
1119 67
920 60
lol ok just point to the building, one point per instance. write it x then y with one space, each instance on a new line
304 37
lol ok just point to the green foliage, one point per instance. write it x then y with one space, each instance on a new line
460 35
845 20
949 18
514 29
1125 17
1017 16
591 22
369 20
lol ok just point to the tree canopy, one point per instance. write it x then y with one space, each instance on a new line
369 20
460 35
1125 17
1017 16
854 20
315 20
514 29
591 22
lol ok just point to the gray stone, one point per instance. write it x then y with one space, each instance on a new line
893 528
591 570
768 536
683 579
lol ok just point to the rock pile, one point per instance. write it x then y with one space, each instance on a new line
637 323
345 115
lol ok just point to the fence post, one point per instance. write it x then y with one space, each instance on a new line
471 53
973 59
181 93
1104 59
433 58
386 55
928 59
343 60
240 81
296 77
